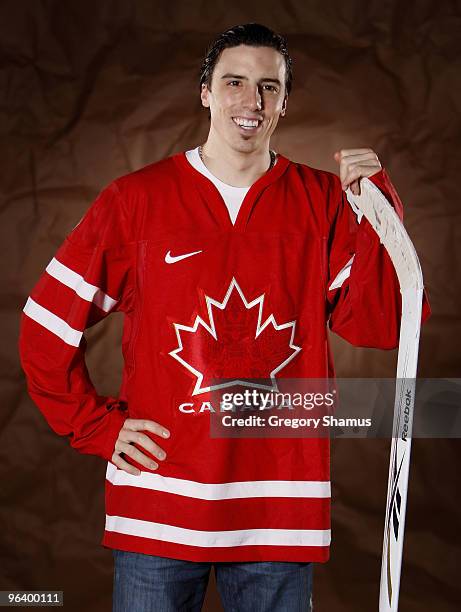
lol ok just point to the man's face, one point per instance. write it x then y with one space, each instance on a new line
248 83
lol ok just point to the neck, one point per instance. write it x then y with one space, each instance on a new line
236 168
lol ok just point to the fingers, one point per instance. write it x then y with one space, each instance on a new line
131 451
352 178
145 424
130 433
354 164
127 436
124 465
355 187
362 151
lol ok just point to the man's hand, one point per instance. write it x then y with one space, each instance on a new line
131 432
354 164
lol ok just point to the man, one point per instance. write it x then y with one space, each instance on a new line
228 261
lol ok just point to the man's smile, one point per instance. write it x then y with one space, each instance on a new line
247 125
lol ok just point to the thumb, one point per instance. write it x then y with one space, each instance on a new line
337 155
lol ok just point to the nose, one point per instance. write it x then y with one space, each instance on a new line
253 100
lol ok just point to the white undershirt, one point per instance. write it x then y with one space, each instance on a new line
232 196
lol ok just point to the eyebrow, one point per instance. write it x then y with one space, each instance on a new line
238 76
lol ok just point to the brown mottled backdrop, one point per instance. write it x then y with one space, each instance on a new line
93 90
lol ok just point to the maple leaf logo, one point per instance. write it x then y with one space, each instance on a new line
234 343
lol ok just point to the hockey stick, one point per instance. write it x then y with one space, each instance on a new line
397 243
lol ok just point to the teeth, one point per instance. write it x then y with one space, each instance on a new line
248 123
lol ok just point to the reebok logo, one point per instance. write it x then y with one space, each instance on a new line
170 259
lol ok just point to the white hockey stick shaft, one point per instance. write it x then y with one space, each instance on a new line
396 241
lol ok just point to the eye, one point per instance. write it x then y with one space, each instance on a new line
230 82
272 87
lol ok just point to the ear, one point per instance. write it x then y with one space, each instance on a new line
284 106
204 95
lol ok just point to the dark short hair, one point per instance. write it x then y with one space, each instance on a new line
252 34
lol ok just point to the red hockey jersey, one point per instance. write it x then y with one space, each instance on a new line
158 245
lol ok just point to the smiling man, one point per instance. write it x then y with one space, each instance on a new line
246 99
229 262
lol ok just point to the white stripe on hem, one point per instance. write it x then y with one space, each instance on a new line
52 322
225 490
209 539
75 281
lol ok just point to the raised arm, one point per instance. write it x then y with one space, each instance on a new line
363 295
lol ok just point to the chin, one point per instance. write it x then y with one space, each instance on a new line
247 143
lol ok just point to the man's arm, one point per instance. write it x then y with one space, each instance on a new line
363 294
90 276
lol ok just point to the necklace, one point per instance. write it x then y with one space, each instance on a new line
272 154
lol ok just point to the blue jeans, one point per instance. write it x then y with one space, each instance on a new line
147 583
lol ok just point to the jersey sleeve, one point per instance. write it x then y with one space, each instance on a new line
363 293
90 276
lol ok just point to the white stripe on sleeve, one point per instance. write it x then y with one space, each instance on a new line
52 322
75 281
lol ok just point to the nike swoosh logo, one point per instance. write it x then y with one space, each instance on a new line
169 258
